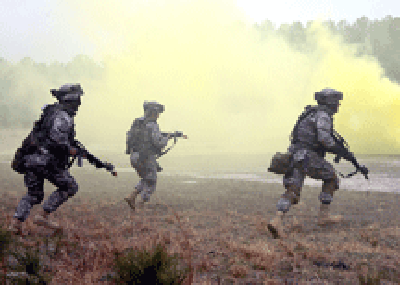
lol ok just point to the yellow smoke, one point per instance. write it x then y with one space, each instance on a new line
227 89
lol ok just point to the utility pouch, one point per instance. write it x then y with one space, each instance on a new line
17 163
280 163
28 146
37 161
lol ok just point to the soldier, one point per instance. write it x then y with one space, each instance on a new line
45 153
311 138
144 145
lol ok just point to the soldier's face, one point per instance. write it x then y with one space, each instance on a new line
336 108
73 107
155 115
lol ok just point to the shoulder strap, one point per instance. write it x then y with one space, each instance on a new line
308 110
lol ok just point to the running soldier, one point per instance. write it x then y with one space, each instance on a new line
45 154
144 145
313 136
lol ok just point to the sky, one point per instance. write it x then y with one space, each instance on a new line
41 29
222 86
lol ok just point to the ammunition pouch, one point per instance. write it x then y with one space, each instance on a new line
17 163
281 163
37 161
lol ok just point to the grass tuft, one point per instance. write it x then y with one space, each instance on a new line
29 261
148 267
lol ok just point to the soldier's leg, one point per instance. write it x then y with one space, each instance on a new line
293 183
34 182
326 197
66 188
138 188
149 180
323 170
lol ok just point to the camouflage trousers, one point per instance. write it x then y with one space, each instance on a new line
309 163
34 181
147 172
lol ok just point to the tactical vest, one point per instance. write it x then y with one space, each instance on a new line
34 140
308 111
135 136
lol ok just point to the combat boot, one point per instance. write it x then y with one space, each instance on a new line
43 220
275 225
16 227
132 198
325 219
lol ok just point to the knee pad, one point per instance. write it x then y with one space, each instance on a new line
35 199
283 205
325 198
150 182
292 194
39 198
72 189
61 196
334 182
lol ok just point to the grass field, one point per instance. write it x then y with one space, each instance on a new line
218 227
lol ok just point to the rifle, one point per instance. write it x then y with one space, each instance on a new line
174 135
348 155
82 152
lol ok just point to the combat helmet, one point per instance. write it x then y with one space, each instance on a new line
328 96
153 106
68 93
69 96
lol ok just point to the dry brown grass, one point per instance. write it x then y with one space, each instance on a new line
219 231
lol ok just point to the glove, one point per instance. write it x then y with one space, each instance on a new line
364 171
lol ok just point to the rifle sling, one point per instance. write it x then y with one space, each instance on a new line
168 149
72 161
348 175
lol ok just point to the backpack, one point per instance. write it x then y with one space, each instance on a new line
135 136
33 141
308 110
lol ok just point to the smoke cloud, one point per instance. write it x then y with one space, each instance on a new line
222 85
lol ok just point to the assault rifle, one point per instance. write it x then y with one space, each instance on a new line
82 152
174 135
345 153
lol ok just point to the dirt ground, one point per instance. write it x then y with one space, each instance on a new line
221 231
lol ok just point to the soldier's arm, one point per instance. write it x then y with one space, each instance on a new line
158 140
59 134
324 131
129 138
325 138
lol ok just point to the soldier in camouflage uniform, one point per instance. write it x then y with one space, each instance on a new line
45 154
144 152
311 139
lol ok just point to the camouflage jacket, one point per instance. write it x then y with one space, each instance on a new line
52 137
150 141
313 131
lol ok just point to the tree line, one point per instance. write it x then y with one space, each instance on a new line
377 38
20 82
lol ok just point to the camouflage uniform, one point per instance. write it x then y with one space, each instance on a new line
52 143
308 157
311 139
144 160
